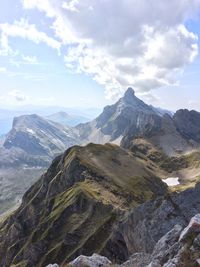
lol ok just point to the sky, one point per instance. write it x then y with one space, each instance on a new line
74 53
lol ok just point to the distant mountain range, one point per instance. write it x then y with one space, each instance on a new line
69 116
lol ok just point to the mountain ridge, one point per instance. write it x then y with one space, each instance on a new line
87 187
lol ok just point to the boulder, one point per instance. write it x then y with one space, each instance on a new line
94 261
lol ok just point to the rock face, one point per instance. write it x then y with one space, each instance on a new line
179 248
148 223
192 229
75 206
35 138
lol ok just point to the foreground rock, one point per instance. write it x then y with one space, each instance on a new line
94 261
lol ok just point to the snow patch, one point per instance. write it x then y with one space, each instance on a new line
172 181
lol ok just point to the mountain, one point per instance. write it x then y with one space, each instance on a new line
76 205
35 137
129 114
102 199
66 119
107 199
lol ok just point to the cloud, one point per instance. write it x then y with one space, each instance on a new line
26 31
30 60
71 5
18 96
143 44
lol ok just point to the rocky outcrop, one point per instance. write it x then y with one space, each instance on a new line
94 261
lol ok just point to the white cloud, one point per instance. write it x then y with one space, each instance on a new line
124 43
30 59
18 96
26 31
43 5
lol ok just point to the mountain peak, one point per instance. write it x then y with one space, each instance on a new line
129 93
